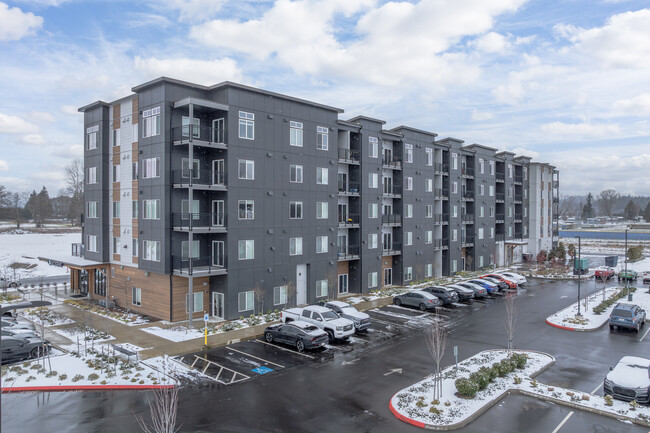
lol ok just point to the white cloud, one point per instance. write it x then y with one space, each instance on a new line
637 106
3 165
41 117
138 19
32 139
491 43
16 24
15 125
192 10
526 152
68 152
577 130
69 109
479 116
197 71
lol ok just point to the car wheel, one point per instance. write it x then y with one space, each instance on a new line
300 346
13 285
268 337
397 301
36 352
330 335
423 307
611 327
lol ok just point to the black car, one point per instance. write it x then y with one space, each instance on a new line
299 334
446 295
17 349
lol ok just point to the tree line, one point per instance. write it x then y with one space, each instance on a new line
608 203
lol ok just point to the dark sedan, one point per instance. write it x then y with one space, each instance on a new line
447 296
17 349
301 335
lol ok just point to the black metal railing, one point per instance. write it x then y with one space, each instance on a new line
348 155
518 216
467 171
500 217
519 178
392 247
352 252
437 243
441 193
500 237
519 197
467 240
199 133
391 219
77 250
197 177
350 188
391 162
468 194
500 174
500 196
202 264
202 220
468 218
441 167
392 189
349 219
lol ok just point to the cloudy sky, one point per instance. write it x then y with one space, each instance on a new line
563 81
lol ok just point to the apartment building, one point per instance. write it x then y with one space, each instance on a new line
231 200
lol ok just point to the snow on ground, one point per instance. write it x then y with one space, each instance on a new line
175 334
49 317
24 250
81 339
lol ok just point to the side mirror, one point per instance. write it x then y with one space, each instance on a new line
611 368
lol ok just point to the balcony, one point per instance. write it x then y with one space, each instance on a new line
556 184
347 253
350 190
437 244
391 249
391 163
205 266
349 221
441 168
517 235
467 172
500 218
500 197
200 136
392 191
556 200
214 180
391 220
468 195
500 237
468 218
555 233
214 222
445 243
441 194
500 176
518 198
77 250
348 156
438 219
519 179
518 217
467 241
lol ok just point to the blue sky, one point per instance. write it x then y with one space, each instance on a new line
566 82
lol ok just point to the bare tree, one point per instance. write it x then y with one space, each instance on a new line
17 202
291 294
163 410
436 339
606 201
5 197
258 292
74 179
510 318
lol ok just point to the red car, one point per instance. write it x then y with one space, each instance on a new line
604 273
511 284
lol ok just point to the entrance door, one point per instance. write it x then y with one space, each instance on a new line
218 172
218 305
218 213
218 131
388 277
218 253
387 242
301 284
343 283
343 182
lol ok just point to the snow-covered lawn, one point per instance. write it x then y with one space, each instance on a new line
45 316
81 338
175 334
118 315
21 251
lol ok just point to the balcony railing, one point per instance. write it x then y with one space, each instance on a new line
468 195
392 163
199 178
518 217
517 235
441 193
467 240
205 265
391 249
500 175
468 218
500 196
201 134
390 190
351 219
556 184
441 167
519 178
438 219
391 219
467 171
437 244
518 198
209 221
500 217
78 250
348 155
500 237
352 188
349 253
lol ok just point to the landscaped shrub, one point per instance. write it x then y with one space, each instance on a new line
600 308
519 360
481 378
93 376
466 387
78 377
63 376
490 371
507 365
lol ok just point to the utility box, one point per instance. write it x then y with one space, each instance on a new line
611 261
580 266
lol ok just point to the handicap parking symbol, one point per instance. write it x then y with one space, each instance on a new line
262 370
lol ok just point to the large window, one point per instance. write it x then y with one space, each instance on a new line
150 209
480 233
408 182
428 211
481 165
190 251
185 165
408 153
429 185
246 169
246 209
196 127
91 175
408 239
135 247
373 148
295 133
134 209
246 250
151 250
92 209
408 211
372 241
245 300
321 288
280 295
151 122
295 210
136 296
134 170
454 161
246 125
91 137
198 302
295 246
322 210
372 279
429 153
373 180
408 273
150 168
373 210
92 243
429 237
322 138
186 211
116 173
295 173
428 270
322 175
116 209
321 244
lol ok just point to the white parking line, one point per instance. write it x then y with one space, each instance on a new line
284 348
256 357
566 418
644 334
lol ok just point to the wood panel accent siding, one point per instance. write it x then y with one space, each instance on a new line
117 258
117 117
134 110
343 268
180 288
154 291
116 155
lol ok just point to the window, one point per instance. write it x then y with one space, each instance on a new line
510 171
151 122
295 133
481 165
373 210
246 209
245 300
454 187
428 270
321 244
429 153
408 152
196 126
491 211
509 211
246 169
322 175
198 302
295 246
246 125
91 137
92 209
525 193
372 279
373 147
91 175
454 235
322 138
280 295
491 190
151 250
116 209
429 185
428 211
454 211
408 211
509 192
481 189
134 170
525 212
92 243
321 288
295 210
481 211
480 261
151 168
150 209
409 239
454 265
190 253
136 296
135 247
429 237
525 173
408 273
454 161
321 210
134 209
492 168
186 211
373 180
480 233
491 232
409 183
246 250
372 241
525 231
510 231
295 173
185 165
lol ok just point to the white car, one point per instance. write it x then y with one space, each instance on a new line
629 380
343 309
517 278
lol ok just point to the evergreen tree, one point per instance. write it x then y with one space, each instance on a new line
40 206
588 209
631 210
646 213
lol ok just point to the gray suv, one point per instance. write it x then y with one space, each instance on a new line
420 299
446 295
627 316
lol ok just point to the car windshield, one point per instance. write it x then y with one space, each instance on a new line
622 313
330 315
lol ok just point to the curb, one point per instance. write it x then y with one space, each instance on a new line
566 328
402 418
83 388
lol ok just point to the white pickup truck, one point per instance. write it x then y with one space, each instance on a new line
326 319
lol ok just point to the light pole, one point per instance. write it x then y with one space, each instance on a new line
579 275
627 277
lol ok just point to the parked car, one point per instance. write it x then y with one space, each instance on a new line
324 318
19 333
464 293
489 286
361 320
422 300
646 277
17 349
447 296
301 335
629 380
604 273
517 278
627 316
501 285
14 325
511 284
628 275
479 290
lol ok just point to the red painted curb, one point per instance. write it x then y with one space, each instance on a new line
401 417
82 388
560 326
